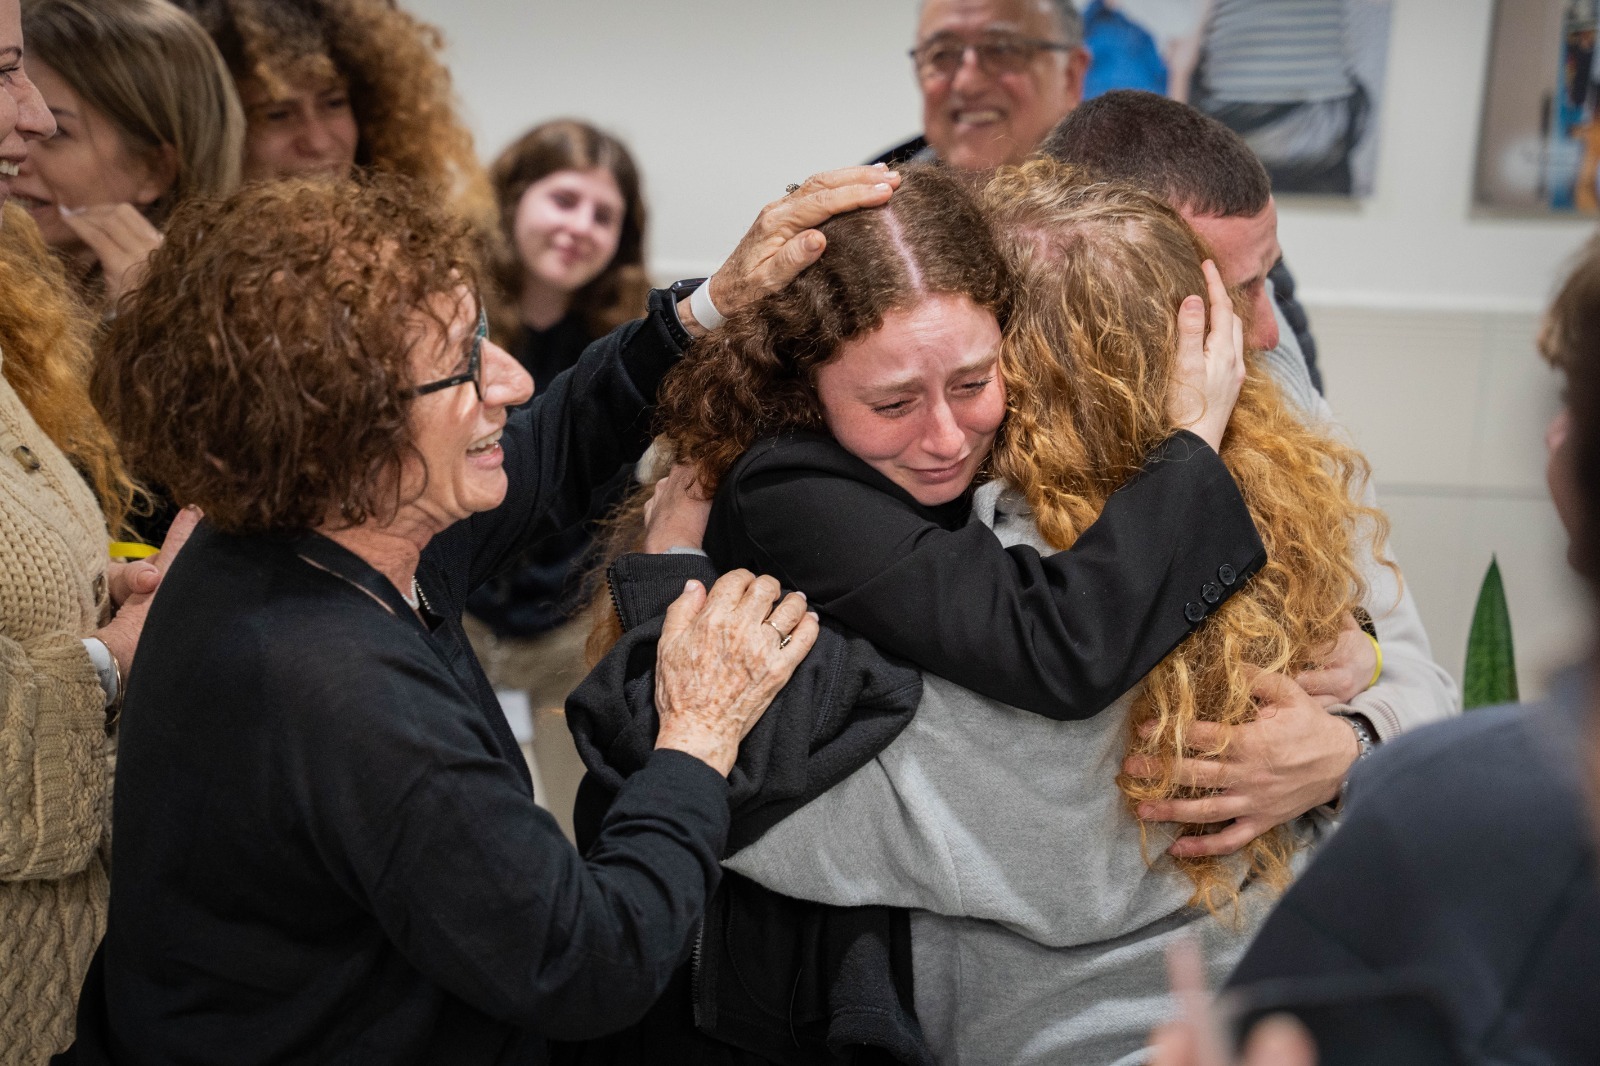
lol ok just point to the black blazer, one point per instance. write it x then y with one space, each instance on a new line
1061 636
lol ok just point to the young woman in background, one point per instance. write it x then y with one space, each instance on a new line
146 117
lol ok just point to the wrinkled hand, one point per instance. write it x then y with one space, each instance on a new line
1210 365
782 241
1292 758
676 514
1347 667
719 664
1195 1037
121 239
139 588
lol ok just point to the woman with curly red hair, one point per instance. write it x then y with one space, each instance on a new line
328 85
327 843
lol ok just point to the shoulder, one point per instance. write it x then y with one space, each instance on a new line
796 451
1504 779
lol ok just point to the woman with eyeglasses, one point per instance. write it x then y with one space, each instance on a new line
327 844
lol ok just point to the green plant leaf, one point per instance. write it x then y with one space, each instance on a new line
1491 673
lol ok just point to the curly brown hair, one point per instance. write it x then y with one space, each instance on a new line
1103 268
262 373
756 375
400 90
47 337
619 293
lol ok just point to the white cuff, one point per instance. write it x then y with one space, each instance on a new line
104 664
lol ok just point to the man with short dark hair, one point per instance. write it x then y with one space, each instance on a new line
1200 167
995 76
1210 176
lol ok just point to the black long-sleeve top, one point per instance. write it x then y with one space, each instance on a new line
1062 636
547 582
327 849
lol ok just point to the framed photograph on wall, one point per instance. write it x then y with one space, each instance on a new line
1539 144
1300 80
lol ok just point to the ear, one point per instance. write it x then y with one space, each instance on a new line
1077 70
160 174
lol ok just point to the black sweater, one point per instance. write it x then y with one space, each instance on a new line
327 849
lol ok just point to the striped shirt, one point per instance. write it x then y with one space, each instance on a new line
1276 51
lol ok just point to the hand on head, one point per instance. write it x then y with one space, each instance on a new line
783 242
722 657
1209 369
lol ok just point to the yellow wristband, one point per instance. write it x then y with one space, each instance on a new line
125 549
1376 670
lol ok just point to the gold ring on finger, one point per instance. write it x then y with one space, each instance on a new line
783 638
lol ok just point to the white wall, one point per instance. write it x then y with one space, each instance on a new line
1425 310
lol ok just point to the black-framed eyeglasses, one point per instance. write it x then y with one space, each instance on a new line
943 56
474 371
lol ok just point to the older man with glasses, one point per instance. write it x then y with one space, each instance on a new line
996 76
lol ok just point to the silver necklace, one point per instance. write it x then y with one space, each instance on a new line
417 599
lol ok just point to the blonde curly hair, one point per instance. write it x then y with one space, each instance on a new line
1102 269
400 90
47 336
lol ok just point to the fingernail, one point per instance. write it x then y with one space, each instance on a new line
882 186
814 240
1145 811
69 211
813 616
802 595
881 166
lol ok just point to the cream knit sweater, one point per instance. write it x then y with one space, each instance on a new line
54 756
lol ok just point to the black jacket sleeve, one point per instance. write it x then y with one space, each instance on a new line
843 705
571 440
1061 636
476 886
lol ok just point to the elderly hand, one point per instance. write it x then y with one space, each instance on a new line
1347 667
121 239
676 514
1292 758
1209 369
138 589
721 659
782 242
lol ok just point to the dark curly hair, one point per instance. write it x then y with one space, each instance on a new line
262 371
619 293
400 89
757 374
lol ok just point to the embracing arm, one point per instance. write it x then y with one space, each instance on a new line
1061 636
844 703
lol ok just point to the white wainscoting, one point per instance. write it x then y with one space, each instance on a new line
1451 407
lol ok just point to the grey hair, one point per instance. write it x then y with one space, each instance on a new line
1068 19
1071 21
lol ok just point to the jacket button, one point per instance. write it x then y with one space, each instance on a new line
25 458
1227 574
1193 611
1212 592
